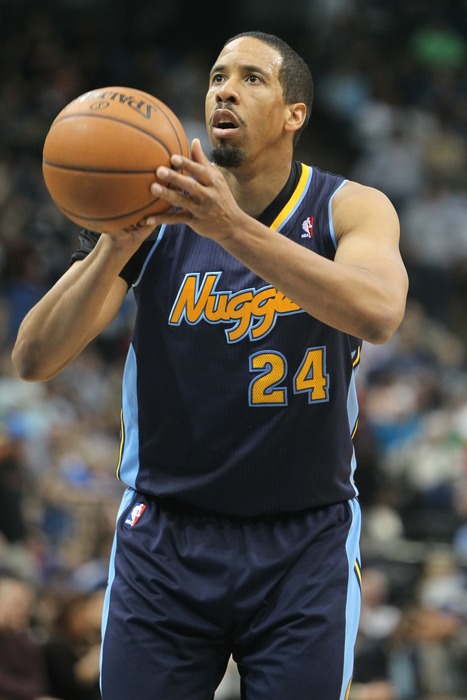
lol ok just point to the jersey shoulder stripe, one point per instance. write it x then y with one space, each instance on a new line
295 200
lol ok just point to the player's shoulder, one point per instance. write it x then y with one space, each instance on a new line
322 182
353 191
358 208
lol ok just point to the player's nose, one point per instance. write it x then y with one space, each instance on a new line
227 92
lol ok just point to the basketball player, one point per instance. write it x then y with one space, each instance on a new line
239 529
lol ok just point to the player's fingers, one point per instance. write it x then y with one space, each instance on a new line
197 156
179 182
178 213
197 153
173 216
198 166
175 195
169 183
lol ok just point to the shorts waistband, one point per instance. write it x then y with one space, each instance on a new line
183 508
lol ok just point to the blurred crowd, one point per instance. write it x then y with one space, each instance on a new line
390 112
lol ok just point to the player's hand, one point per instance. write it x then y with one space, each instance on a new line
127 240
199 195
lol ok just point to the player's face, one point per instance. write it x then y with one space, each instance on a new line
245 110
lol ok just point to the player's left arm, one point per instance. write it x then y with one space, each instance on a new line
361 292
367 231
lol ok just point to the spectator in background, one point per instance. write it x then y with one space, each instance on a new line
72 651
379 620
410 652
393 164
23 674
434 245
12 521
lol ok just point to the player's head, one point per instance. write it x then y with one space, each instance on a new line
259 98
294 74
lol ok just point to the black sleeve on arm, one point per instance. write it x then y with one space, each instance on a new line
130 272
87 241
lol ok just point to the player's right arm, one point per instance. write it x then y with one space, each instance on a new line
76 309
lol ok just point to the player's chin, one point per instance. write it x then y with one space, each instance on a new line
227 155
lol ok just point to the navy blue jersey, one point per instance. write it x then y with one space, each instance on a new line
234 399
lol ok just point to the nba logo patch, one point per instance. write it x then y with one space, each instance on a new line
136 512
307 227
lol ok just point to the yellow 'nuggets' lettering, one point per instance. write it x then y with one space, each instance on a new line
251 312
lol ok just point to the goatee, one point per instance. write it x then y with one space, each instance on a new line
227 156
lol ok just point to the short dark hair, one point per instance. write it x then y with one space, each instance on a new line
294 74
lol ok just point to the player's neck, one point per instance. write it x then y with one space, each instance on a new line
255 188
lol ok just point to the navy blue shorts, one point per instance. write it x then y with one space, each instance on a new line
188 589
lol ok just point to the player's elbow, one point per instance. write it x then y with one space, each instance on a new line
26 360
383 310
382 324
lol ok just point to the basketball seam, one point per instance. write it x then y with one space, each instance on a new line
87 169
107 218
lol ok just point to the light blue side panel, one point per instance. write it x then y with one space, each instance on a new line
129 463
353 606
126 500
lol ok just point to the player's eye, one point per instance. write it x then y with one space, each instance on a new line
254 79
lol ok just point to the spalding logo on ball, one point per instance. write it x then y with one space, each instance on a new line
101 154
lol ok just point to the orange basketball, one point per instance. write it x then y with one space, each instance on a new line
101 153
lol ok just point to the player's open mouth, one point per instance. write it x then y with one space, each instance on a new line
224 119
224 122
226 125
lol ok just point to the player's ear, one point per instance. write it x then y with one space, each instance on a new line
295 116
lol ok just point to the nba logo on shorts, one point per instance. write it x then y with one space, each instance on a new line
136 512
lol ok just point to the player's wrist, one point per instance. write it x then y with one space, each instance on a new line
117 246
